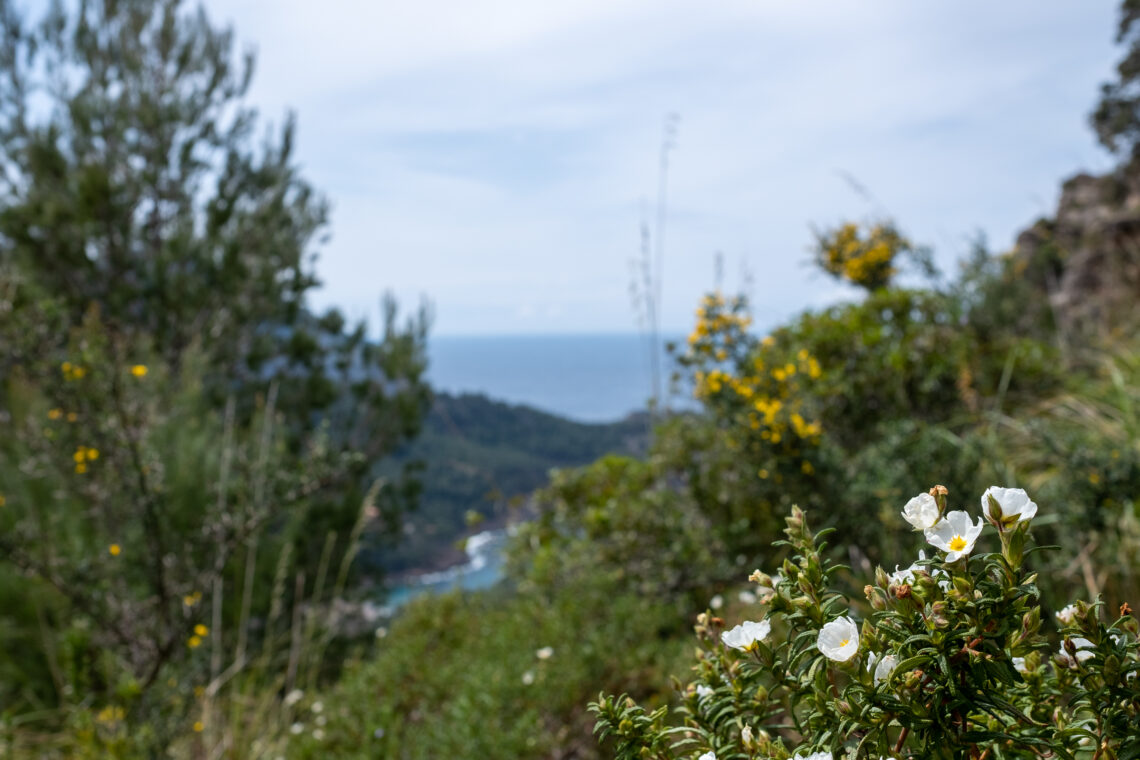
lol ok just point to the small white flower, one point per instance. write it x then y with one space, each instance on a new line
921 511
296 728
814 756
899 577
321 720
747 597
1019 665
1014 503
747 635
378 733
381 632
318 734
883 667
1082 644
703 691
708 756
839 639
955 535
545 653
317 706
746 736
528 677
293 697
716 602
1067 615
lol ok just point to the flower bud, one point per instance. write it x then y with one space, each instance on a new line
876 597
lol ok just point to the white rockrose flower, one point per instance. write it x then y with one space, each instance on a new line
814 756
839 640
746 736
883 667
716 602
1019 665
703 691
955 534
746 597
1083 645
528 678
1067 615
296 728
708 756
747 635
293 697
545 653
921 511
1013 505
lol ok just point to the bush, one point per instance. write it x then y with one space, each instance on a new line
950 661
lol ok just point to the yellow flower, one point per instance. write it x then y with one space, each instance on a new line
115 550
191 599
3 501
194 642
198 727
110 715
139 370
201 630
199 691
55 414
80 454
92 454
80 468
72 416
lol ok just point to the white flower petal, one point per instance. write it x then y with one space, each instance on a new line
921 511
839 639
1014 503
746 635
955 534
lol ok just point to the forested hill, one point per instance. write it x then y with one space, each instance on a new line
481 456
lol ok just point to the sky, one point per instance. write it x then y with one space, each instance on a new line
498 157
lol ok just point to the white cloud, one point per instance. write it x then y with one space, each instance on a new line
495 154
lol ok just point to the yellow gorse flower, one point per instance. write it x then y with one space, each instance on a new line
201 630
72 371
110 715
114 550
139 370
864 260
83 455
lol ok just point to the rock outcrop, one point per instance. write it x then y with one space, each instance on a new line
1088 256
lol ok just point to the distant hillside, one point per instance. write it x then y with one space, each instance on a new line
481 455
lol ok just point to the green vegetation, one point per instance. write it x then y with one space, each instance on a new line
481 459
199 477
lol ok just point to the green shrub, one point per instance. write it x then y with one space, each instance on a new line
950 661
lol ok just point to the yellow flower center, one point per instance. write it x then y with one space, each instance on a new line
957 544
844 643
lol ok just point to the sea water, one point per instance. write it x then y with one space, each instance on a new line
587 378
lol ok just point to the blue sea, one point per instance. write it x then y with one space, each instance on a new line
588 378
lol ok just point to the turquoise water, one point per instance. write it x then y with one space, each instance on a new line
483 569
589 378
